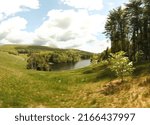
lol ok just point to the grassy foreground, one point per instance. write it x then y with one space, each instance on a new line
86 87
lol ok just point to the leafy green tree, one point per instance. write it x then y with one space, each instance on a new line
37 61
121 65
43 60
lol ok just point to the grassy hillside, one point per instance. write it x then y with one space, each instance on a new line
86 87
14 49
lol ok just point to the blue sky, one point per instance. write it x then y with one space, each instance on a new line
56 23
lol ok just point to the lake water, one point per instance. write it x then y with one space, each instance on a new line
66 66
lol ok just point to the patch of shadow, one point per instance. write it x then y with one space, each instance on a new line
105 74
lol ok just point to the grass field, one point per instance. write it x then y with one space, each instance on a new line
86 87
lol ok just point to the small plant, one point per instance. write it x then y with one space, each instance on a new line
139 56
121 65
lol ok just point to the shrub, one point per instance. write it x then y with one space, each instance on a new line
121 65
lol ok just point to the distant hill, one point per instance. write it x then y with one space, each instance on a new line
19 49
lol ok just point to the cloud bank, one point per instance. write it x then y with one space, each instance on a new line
73 28
12 31
11 7
69 28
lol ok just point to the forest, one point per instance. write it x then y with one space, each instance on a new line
42 58
128 29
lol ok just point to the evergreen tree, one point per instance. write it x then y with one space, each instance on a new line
129 29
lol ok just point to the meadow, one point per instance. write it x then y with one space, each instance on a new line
92 86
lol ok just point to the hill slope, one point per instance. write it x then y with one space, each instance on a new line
15 49
86 87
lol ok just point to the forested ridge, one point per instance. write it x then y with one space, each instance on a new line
128 29
42 58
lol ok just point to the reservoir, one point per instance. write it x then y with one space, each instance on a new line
69 66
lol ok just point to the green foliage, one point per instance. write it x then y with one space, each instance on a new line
128 29
100 57
41 57
24 49
139 56
140 69
13 52
104 55
38 62
94 58
121 64
44 60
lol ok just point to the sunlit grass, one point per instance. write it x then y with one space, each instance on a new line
20 87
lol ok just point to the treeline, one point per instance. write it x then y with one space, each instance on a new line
43 61
128 29
43 57
95 58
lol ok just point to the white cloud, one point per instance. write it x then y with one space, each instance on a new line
10 7
15 23
85 4
63 28
69 28
20 37
12 31
95 46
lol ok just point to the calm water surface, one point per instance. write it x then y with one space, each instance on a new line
77 65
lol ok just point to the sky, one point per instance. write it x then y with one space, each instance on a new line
77 24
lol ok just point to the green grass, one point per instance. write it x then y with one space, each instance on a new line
84 87
13 49
20 87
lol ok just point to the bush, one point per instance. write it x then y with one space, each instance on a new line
121 65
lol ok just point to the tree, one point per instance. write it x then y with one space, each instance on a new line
146 29
121 65
43 60
116 29
37 61
129 29
134 13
